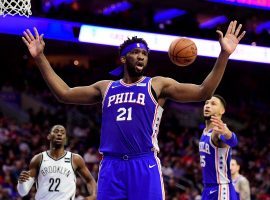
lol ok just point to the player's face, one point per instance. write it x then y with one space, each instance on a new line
136 61
58 136
213 106
234 167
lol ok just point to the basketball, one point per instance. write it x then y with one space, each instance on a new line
182 51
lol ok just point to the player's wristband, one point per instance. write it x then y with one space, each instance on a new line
231 142
24 188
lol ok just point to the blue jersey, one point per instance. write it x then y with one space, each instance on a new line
215 162
130 118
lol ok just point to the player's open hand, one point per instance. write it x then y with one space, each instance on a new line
219 127
35 44
24 176
232 37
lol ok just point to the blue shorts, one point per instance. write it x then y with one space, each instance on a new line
134 177
219 192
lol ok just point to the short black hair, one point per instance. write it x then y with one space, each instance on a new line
134 39
222 100
238 160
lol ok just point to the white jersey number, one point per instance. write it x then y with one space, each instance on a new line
202 160
54 184
124 114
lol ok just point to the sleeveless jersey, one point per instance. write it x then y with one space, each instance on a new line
215 162
236 184
130 118
56 178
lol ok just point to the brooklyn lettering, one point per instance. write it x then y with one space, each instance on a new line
55 169
127 97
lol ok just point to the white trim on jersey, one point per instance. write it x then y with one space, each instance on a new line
155 126
223 192
221 156
150 92
131 84
105 93
161 177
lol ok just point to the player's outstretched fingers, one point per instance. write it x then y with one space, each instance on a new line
30 34
233 27
36 33
241 36
25 42
238 30
229 30
26 36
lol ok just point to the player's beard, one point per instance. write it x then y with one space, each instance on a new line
131 69
134 73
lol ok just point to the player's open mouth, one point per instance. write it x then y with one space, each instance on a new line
139 65
206 112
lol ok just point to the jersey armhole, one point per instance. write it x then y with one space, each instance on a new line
105 93
72 166
38 170
152 92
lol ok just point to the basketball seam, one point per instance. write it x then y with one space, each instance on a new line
182 56
184 48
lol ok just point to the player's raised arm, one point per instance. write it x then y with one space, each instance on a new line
27 178
78 95
86 176
169 88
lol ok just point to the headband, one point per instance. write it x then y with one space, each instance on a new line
132 46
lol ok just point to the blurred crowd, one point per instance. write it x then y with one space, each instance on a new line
19 141
141 16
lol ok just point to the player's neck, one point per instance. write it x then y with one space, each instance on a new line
235 176
56 153
208 125
128 79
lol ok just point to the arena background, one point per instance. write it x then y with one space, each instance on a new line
28 108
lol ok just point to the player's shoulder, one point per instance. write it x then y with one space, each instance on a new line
76 157
103 83
243 179
162 79
36 160
77 160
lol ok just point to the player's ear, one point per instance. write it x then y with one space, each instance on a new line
123 59
222 111
49 136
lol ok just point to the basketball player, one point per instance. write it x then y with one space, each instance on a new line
131 113
215 152
54 171
240 183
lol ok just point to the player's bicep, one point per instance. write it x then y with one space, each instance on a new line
82 169
183 92
34 165
86 94
83 95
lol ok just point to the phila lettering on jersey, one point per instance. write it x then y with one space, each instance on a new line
56 178
215 162
130 118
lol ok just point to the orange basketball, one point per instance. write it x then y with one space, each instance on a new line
182 51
